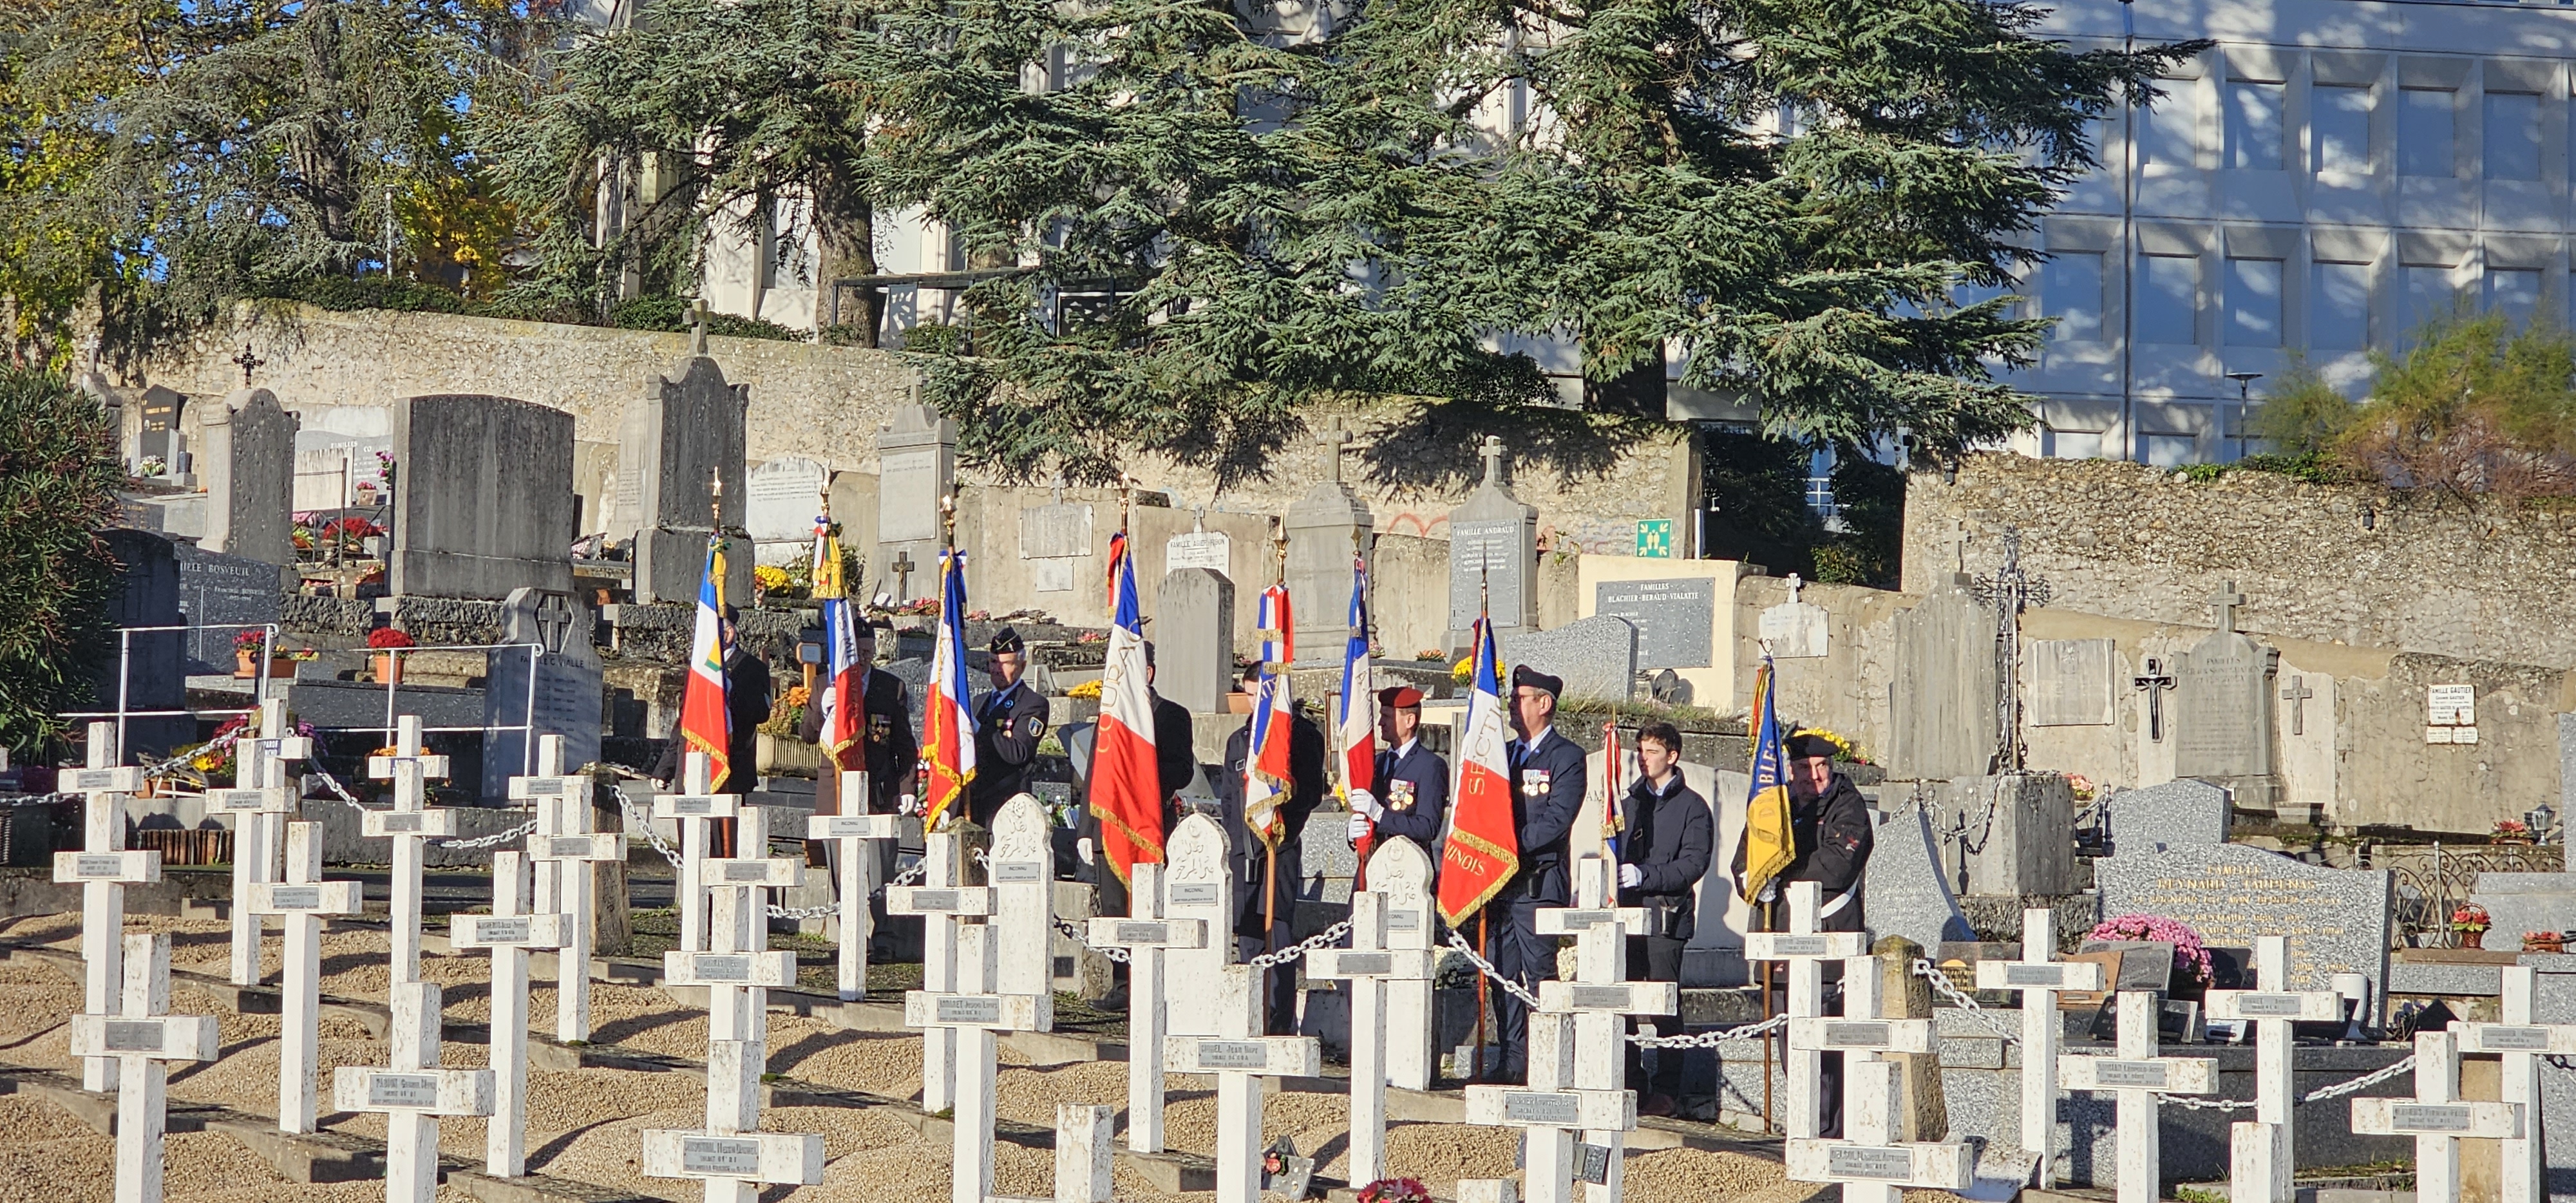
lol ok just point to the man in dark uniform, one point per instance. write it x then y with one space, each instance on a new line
1547 779
1009 722
1831 838
1246 858
1412 794
885 724
746 708
1663 855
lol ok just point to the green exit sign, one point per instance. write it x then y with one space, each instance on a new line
1655 538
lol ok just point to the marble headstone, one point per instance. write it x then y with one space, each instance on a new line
2176 814
1796 630
1194 639
482 497
916 466
1674 616
1325 527
1596 656
1493 554
249 472
1943 716
680 436
2069 682
148 596
2336 919
2223 709
1209 549
783 495
1907 890
569 689
215 588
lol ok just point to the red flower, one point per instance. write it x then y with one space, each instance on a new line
385 637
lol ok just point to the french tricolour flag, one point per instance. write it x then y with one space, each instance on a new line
1267 774
705 721
947 725
1355 722
839 689
1126 784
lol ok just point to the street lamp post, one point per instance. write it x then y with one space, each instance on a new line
2244 381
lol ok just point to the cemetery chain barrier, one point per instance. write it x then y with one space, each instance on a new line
637 821
150 772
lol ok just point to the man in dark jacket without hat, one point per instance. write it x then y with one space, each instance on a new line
1663 853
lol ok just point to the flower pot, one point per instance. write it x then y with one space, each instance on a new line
388 669
246 664
2473 939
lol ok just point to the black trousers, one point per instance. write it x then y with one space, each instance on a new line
1655 959
1521 954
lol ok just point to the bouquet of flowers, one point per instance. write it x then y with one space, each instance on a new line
2512 831
1395 1190
2190 955
387 637
250 640
2469 916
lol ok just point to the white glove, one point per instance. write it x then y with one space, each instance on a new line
1082 850
1770 892
1630 875
1359 827
907 804
1366 803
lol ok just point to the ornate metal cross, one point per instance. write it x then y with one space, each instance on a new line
2010 591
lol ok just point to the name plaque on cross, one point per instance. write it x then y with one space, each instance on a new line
1403 919
770 970
720 1155
1512 1106
1869 1162
1157 933
1559 1110
1233 1054
1874 1035
771 872
1630 998
2308 1005
439 822
2399 1117
1018 872
125 780
1569 921
1919 1164
582 847
742 1156
1276 1056
944 900
2187 1075
425 1092
261 800
1002 1012
549 787
696 806
2517 1038
496 931
854 827
132 868
176 1037
1194 893
327 897
1781 946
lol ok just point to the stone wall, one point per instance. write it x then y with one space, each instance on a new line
2468 578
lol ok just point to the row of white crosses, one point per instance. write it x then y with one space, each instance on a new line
260 807
137 1039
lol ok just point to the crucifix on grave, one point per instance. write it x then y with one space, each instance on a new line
2297 693
1870 1163
902 568
301 898
564 850
1599 1000
248 363
857 926
1370 966
1148 936
2010 592
104 868
2155 680
1548 1112
138 1038
945 906
410 823
509 931
1082 1156
1806 950
694 812
2038 975
2261 1158
257 812
698 328
2136 1075
2437 1118
412 1093
1240 1057
972 1013
2520 1044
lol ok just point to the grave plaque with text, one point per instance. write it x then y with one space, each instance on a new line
2336 919
1673 615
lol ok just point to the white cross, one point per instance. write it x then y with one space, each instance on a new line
1548 1112
2261 1156
972 1013
1197 885
412 1093
2039 976
1021 868
509 931
2436 1117
1082 1156
1400 870
302 898
1240 1056
1870 1163
1146 936
2136 1075
1806 950
137 1039
944 905
1371 967
104 869
2521 1044
409 823
693 810
565 850
854 832
1599 1000
262 760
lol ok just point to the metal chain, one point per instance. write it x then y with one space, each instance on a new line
162 769
1114 952
1322 939
1942 986
1486 967
1711 1039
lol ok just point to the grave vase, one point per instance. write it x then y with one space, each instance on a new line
246 665
388 669
2474 938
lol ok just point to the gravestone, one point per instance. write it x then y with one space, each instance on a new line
569 689
482 497
1054 540
1796 629
916 466
1673 617
2176 814
155 433
1325 528
2070 681
1597 656
1200 548
2016 828
149 675
2336 919
1194 639
215 588
781 499
249 472
1943 699
1493 554
1907 890
2223 715
679 436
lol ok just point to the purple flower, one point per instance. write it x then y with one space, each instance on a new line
2189 953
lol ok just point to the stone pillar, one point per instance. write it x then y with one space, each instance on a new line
1922 1109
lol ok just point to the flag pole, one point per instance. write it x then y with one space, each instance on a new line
1484 914
1359 874
1270 839
721 830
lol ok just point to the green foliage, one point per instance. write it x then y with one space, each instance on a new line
2475 406
58 479
2301 414
1870 549
672 314
344 294
1758 486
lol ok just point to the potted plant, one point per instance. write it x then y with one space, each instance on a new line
246 649
2470 921
388 665
2512 831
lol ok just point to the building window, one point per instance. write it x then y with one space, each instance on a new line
2074 444
2167 450
2426 132
2170 131
2514 292
2513 136
2070 290
2254 126
2429 295
2168 299
2339 306
2253 302
2339 129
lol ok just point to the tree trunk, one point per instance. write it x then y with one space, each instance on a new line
845 229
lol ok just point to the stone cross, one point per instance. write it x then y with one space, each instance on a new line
2437 1119
301 898
138 1038
1197 886
1082 1156
1400 871
2038 975
1198 520
1794 586
2261 1158
411 822
1806 950
2155 681
857 925
1549 1111
509 931
412 1093
1870 1163
104 868
945 905
2137 1075
2297 693
972 1013
1599 1000
2521 1044
738 932
1332 440
256 814
1240 1056
2223 602
1492 450
698 328
693 811
1147 937
248 363
564 850
2011 591
1370 966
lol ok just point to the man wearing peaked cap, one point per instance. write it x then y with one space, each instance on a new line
1548 777
1412 794
1009 722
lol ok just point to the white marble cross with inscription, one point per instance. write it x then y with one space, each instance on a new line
977 1009
565 851
2136 1075
2260 1154
509 931
301 898
409 823
412 1093
2436 1117
1806 950
137 1039
1548 1112
1197 885
1870 1163
1240 1056
693 811
2520 1044
1600 999
257 814
104 868
2038 975
1146 936
1400 871
1082 1156
854 833
1370 967
1021 870
944 905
